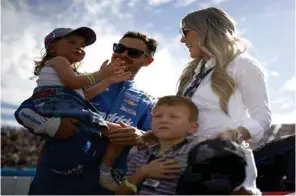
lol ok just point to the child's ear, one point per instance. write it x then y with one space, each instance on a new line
51 48
193 128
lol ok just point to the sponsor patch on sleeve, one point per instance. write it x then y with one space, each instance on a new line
32 120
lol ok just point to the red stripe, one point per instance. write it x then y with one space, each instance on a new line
278 193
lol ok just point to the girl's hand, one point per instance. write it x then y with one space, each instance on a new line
119 76
109 69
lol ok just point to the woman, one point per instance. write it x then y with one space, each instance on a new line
226 84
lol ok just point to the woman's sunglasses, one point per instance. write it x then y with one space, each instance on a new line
132 52
184 32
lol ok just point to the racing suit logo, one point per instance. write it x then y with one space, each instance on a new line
130 102
73 171
132 97
128 110
116 118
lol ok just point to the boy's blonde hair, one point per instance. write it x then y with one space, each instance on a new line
175 100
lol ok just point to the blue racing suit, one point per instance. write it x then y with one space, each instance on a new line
120 102
124 102
69 163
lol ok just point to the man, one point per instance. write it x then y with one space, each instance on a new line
124 102
121 102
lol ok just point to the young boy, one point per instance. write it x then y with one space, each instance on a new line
156 169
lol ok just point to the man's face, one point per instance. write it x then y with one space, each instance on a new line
133 63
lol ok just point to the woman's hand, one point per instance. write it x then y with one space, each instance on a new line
161 169
237 135
226 135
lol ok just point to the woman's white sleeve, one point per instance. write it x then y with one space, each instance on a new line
251 83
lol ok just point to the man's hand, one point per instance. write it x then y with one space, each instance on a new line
125 135
148 138
161 169
67 128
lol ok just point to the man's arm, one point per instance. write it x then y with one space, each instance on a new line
145 124
128 135
124 134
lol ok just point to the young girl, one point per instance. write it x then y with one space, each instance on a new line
60 93
58 67
64 52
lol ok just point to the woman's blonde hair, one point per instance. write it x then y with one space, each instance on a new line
217 38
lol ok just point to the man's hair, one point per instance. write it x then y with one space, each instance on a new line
150 43
175 100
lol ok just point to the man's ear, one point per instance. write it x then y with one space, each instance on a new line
149 61
193 128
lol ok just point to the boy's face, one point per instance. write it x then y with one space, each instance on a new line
172 122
